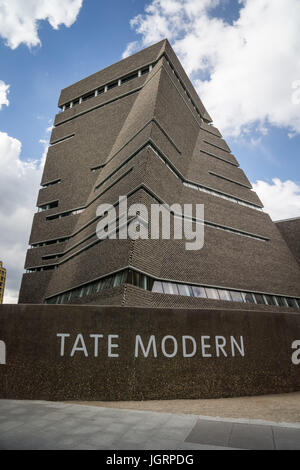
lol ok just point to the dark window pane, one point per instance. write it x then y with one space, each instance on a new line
212 293
143 281
248 297
100 91
149 283
157 287
259 299
281 301
117 279
136 278
224 294
185 290
107 283
291 302
130 77
199 291
88 96
130 277
236 296
112 85
270 300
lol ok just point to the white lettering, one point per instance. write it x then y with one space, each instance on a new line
96 343
205 346
62 342
175 346
79 339
139 342
296 354
240 347
184 349
220 344
2 353
111 345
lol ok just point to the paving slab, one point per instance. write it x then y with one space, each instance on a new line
47 425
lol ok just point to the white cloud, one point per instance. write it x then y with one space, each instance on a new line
280 198
19 19
245 72
4 90
19 184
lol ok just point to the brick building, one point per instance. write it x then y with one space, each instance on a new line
138 128
2 281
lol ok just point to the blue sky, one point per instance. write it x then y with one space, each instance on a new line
97 39
243 70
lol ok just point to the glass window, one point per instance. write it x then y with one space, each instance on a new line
149 283
88 96
281 301
212 293
291 302
112 85
99 285
248 297
107 283
259 299
199 291
224 294
130 77
143 281
170 288
129 276
117 279
157 287
297 302
136 278
185 290
236 296
270 300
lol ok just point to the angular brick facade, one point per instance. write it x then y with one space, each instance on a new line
138 128
290 230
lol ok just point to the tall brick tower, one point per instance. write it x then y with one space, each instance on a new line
138 128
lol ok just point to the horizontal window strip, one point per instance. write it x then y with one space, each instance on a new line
198 186
82 113
217 146
230 180
62 139
98 167
108 86
51 183
218 157
47 206
204 222
49 242
160 286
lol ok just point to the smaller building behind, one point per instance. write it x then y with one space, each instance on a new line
2 281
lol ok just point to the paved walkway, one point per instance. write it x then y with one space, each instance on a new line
53 425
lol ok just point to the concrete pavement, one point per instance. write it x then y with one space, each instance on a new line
52 425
